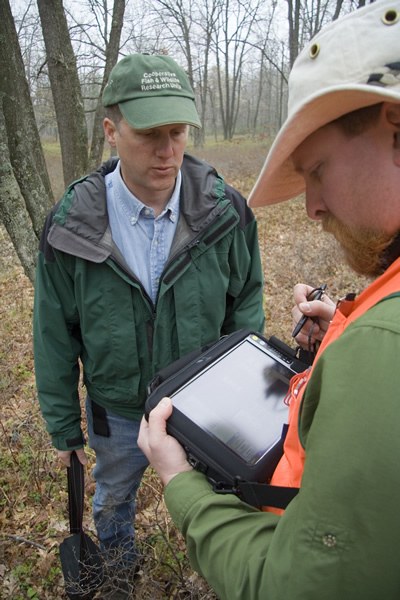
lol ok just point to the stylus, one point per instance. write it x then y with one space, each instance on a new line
315 294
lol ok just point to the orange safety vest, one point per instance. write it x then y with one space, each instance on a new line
289 470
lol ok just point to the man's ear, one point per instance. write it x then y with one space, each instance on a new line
109 131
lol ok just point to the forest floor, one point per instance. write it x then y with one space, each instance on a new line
33 495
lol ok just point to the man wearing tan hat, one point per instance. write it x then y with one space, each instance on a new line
145 260
338 538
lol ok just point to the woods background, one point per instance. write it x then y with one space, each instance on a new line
55 58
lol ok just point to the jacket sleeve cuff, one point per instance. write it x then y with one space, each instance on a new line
183 491
72 442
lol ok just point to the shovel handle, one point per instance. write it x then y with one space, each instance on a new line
76 488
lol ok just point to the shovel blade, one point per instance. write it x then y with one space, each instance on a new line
82 566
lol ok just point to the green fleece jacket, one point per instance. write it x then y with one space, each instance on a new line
339 538
91 311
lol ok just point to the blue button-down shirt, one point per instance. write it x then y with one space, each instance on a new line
143 239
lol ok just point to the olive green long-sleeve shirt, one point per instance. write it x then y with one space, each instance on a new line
339 539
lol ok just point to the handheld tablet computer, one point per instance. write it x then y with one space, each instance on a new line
229 409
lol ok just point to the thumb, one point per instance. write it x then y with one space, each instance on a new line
162 411
159 415
81 454
317 308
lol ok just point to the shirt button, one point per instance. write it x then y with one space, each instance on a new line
329 540
147 211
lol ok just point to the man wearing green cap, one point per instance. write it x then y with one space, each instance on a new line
148 258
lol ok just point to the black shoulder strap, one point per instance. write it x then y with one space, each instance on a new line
76 485
259 494
263 494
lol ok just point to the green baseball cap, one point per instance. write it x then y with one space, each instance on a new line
151 91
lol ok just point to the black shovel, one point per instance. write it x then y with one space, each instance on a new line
81 561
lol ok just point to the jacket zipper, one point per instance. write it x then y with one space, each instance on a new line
185 249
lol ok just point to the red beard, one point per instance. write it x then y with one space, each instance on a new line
364 249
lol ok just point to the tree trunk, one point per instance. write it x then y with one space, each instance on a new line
66 89
14 215
97 146
294 26
25 191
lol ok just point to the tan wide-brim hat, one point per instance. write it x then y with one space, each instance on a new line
352 63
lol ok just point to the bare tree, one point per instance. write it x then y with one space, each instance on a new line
66 89
236 24
362 3
294 25
25 192
65 81
266 55
209 13
110 45
178 17
307 18
180 14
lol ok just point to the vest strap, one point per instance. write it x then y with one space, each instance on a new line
263 494
259 494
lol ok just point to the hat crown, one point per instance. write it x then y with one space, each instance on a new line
151 90
340 54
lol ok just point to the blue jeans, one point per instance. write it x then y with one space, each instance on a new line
119 468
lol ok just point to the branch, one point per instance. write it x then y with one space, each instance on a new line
23 540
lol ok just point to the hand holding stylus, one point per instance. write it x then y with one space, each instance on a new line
311 314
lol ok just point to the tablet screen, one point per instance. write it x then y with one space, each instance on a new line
239 399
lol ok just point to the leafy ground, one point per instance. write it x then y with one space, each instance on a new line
33 498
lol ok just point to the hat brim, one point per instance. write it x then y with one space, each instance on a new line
146 113
278 179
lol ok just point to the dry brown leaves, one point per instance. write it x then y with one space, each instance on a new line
33 502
